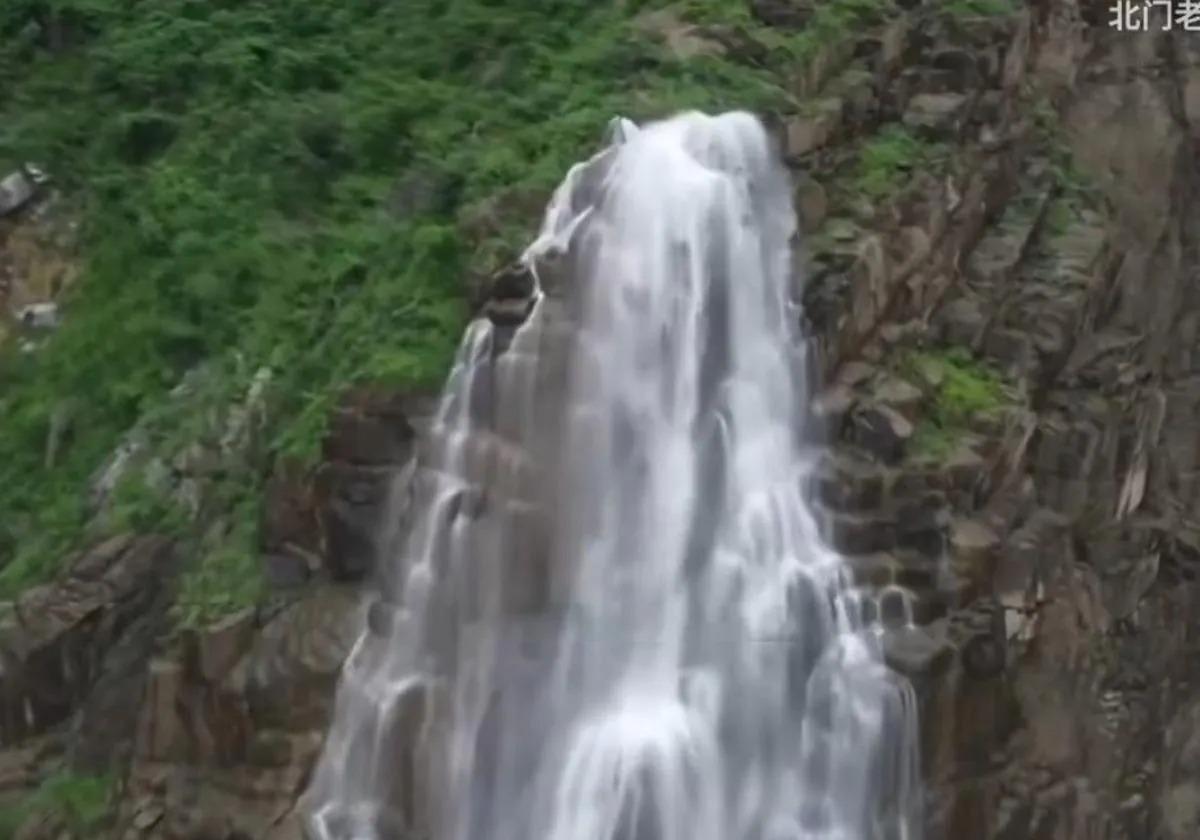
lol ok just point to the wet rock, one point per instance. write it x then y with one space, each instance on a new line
882 431
921 525
830 409
916 652
846 483
513 281
856 533
510 312
352 516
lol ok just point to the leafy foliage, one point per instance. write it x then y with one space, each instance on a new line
82 802
304 185
965 389
888 156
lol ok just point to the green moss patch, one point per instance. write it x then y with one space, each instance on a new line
964 390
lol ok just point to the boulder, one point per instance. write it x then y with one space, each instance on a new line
356 501
916 651
809 132
52 646
900 395
371 427
881 431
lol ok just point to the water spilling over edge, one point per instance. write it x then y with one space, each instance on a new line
613 616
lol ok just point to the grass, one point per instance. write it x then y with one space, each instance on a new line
82 802
888 157
979 8
305 185
966 389
227 578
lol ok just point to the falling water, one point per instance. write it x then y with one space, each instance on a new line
613 616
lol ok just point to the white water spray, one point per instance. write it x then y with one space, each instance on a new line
613 617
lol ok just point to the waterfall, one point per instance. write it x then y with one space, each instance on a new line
612 615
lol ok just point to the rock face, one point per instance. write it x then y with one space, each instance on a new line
1046 528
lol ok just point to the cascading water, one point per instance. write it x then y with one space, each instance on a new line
613 617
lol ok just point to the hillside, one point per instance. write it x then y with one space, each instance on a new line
255 232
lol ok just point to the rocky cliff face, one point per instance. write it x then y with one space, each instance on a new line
1001 278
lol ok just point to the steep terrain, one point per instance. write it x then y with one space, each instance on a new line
259 282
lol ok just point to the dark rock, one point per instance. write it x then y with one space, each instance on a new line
915 651
286 571
856 534
848 484
882 431
508 313
984 656
961 321
513 281
52 646
830 409
352 517
371 427
785 14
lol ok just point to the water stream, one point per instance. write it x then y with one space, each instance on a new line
611 615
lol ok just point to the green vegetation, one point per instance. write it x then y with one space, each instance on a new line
888 157
965 389
980 8
81 802
304 185
228 575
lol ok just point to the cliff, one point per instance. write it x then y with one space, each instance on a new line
998 279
